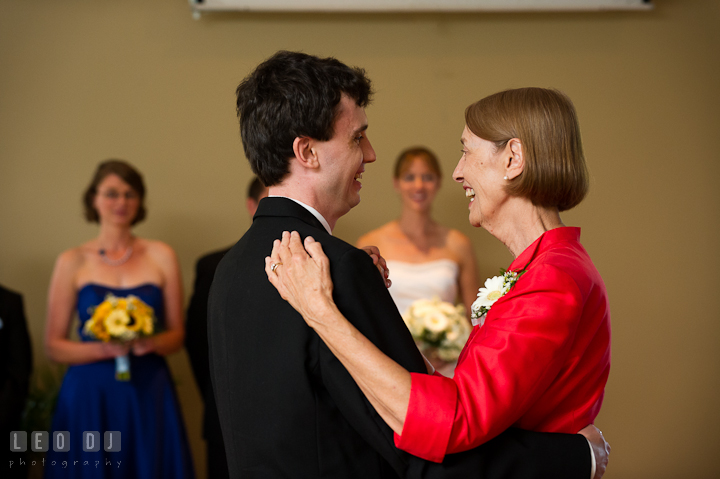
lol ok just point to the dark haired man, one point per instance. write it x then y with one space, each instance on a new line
196 342
287 406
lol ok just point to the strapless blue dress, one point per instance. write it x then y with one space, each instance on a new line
145 409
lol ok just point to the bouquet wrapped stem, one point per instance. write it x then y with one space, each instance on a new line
122 368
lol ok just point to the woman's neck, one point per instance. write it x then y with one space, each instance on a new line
523 223
416 224
114 238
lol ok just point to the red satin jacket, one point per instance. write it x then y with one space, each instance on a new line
540 362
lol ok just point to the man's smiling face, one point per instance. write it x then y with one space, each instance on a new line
342 159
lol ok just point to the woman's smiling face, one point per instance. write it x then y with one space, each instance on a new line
481 171
418 185
116 201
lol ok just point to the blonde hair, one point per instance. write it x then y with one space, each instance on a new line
545 122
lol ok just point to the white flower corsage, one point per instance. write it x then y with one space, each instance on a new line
495 288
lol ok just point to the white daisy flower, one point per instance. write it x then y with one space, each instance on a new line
493 290
116 322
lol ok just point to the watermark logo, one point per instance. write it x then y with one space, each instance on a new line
39 441
61 441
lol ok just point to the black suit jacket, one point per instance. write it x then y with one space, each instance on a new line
15 369
196 343
15 359
287 406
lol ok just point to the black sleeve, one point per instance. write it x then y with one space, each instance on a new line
15 359
361 296
514 454
196 336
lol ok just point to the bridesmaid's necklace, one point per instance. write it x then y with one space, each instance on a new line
116 262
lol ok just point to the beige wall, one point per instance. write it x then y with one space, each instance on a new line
81 81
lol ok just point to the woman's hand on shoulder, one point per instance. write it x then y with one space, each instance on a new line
300 271
379 262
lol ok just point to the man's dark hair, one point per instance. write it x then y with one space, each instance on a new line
255 189
292 95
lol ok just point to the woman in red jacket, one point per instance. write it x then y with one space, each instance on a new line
539 355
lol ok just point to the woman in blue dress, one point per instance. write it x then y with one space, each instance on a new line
144 409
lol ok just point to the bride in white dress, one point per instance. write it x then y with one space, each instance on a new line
425 258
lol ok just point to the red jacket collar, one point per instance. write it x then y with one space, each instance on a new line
543 243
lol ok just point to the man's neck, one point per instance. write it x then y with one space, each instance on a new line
305 196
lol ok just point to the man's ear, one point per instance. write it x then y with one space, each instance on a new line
251 206
515 162
305 153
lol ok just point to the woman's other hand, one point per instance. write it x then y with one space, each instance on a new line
114 350
600 448
379 262
301 277
142 346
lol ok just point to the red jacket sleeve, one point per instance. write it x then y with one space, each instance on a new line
506 367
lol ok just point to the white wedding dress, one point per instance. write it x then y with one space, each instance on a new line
413 281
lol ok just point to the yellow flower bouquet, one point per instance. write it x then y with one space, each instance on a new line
121 320
438 327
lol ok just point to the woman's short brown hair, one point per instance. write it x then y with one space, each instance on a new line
406 156
545 122
128 174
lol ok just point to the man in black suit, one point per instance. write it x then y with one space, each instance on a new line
196 342
15 369
287 407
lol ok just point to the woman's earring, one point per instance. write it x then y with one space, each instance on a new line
505 178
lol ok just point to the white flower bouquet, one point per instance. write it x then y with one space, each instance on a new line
439 326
